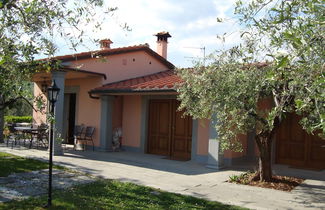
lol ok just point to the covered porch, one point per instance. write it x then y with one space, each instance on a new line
73 101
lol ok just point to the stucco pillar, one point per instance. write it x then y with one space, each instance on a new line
195 126
215 156
59 78
144 122
106 123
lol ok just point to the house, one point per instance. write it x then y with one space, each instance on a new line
133 88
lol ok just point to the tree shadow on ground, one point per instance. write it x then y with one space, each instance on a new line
143 160
311 194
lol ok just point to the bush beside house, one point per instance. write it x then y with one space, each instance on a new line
18 119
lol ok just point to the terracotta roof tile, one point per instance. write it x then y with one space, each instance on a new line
160 81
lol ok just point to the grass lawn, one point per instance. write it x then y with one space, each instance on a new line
108 194
14 164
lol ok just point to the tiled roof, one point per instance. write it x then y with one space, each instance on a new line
161 81
114 51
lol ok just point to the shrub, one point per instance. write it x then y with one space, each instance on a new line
18 119
242 178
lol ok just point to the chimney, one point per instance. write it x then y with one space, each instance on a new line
105 44
162 42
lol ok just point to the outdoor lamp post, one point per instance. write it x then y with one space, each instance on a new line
52 93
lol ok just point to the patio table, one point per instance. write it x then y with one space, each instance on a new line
32 132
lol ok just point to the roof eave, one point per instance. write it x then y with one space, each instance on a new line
107 91
83 71
93 54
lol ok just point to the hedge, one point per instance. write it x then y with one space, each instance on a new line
18 119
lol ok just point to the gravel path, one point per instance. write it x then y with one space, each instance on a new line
23 185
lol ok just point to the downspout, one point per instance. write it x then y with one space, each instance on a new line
93 97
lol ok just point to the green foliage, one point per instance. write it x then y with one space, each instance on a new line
10 164
295 30
108 194
289 36
22 107
13 164
29 29
234 178
242 178
230 92
278 68
18 119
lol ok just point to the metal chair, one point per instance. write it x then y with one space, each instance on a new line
42 135
12 135
77 132
21 131
88 136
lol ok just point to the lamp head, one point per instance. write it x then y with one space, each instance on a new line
53 92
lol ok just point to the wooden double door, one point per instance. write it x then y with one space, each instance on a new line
169 132
298 148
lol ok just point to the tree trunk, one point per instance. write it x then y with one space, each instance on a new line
2 118
2 122
265 165
264 143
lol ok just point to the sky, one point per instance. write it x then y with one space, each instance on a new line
192 24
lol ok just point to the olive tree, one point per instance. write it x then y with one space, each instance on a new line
278 68
29 28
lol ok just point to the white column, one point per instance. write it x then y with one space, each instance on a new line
58 76
106 126
215 156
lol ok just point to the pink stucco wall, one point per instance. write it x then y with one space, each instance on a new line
127 109
203 141
116 67
88 109
121 66
131 121
203 137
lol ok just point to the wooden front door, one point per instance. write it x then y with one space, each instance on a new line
296 147
169 133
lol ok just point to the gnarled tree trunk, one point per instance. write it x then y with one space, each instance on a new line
264 143
2 122
2 118
265 164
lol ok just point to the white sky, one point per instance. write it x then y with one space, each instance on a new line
191 23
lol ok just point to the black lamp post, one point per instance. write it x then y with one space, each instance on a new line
52 93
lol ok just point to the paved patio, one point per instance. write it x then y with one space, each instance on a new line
190 178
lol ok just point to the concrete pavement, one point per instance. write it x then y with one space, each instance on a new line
190 178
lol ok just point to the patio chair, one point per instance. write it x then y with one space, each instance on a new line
22 134
12 134
77 132
88 136
42 135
